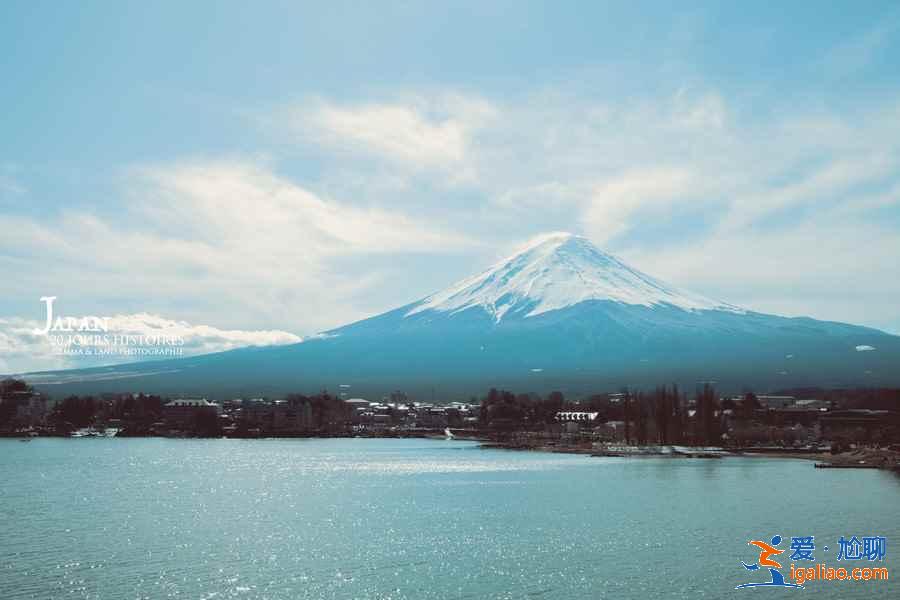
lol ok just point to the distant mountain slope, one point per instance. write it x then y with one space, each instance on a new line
560 314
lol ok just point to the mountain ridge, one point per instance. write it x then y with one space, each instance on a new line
558 314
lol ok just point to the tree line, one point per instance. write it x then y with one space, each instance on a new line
664 416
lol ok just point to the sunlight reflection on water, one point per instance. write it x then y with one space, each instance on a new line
284 519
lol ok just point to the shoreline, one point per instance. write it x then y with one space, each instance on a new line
861 458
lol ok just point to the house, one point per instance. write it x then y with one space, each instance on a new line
776 401
432 417
573 421
861 425
290 416
357 407
184 413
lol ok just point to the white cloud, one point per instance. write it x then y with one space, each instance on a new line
24 351
199 339
423 131
215 202
397 131
230 242
613 203
835 181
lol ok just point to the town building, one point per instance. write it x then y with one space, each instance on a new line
183 413
573 421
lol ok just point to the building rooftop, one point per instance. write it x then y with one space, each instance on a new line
190 402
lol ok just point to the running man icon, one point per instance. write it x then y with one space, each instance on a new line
765 560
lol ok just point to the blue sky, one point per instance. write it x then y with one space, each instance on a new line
293 167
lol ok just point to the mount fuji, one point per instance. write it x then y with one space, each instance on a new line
557 271
560 314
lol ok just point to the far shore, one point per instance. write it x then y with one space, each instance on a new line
859 458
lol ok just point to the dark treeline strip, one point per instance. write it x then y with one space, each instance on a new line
664 416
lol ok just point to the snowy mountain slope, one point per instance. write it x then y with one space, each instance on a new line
558 271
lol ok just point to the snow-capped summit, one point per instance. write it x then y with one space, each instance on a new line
556 271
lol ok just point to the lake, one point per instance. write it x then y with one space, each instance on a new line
417 519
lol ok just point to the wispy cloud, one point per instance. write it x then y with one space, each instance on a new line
10 186
421 132
611 207
231 242
210 202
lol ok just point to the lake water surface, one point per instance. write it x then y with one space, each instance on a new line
417 519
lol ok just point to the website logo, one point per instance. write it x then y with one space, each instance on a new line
104 336
804 567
